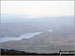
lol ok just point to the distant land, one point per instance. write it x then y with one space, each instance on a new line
12 25
57 33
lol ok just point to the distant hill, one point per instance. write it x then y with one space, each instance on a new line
24 25
62 36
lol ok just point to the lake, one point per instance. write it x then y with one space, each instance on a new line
23 36
27 35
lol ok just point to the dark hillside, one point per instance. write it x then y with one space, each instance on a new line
15 52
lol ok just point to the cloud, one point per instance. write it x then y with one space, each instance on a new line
38 8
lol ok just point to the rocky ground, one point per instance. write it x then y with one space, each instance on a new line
21 53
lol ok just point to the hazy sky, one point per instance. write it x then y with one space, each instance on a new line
38 8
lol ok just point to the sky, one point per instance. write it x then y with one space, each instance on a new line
38 8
